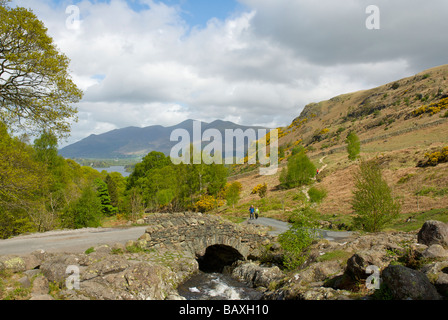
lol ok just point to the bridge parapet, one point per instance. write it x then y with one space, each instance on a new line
195 232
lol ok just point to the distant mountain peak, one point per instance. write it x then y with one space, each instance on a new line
137 142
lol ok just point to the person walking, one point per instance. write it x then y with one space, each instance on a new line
251 212
257 212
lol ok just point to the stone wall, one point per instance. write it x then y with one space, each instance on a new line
195 232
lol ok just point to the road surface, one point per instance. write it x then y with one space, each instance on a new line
278 227
73 241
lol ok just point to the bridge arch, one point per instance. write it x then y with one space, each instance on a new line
217 256
205 237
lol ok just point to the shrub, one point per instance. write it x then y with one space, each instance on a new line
395 85
207 203
432 108
261 190
317 195
434 158
298 238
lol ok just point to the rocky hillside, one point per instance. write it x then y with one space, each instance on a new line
399 122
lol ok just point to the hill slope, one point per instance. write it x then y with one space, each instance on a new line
398 122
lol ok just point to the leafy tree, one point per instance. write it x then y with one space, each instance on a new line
216 178
21 177
136 205
233 192
154 160
300 170
103 193
35 86
113 190
372 198
299 237
46 147
85 212
353 146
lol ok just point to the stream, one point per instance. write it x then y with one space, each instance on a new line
216 286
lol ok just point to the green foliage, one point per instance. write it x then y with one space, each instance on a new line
317 195
37 187
298 238
300 171
395 86
164 197
161 184
232 193
372 198
353 146
90 250
21 181
20 175
85 212
297 150
35 86
432 191
102 192
39 190
261 190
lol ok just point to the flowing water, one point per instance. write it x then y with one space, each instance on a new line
216 286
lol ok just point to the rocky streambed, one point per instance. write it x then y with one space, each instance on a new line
406 266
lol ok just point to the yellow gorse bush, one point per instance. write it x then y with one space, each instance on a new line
207 203
261 190
432 108
437 157
324 131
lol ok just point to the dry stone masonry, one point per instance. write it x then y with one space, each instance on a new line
194 233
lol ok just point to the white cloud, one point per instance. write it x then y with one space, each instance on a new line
260 66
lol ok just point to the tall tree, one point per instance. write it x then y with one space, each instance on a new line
36 90
103 193
300 170
353 146
232 193
372 198
21 179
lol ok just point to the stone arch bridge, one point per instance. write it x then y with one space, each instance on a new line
213 241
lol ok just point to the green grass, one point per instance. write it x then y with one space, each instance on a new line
417 220
432 192
335 255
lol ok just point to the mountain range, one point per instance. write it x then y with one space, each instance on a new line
133 142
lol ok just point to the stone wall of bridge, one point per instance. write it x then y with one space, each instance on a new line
195 232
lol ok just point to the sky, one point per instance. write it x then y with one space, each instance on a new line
253 62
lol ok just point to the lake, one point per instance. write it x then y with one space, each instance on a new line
119 169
